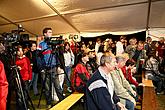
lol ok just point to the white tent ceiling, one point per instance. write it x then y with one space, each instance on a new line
82 16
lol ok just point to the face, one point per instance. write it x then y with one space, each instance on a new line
149 40
67 47
121 64
85 59
83 47
20 52
34 47
122 40
66 40
91 54
161 40
134 41
157 44
110 41
48 34
140 46
111 66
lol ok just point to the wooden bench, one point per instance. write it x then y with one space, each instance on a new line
149 101
68 101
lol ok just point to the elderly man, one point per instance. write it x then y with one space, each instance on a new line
100 93
122 86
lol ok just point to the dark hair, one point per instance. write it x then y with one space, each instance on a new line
153 44
80 56
130 62
98 39
101 48
33 43
122 37
152 54
141 42
65 44
45 30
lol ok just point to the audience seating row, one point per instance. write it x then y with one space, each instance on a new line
149 101
68 101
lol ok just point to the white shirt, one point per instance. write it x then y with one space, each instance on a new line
110 83
119 48
97 47
68 58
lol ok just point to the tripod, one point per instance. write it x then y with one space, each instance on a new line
19 85
20 88
51 76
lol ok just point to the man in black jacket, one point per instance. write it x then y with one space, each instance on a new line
100 93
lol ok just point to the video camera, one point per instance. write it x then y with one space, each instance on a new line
10 37
54 41
13 36
13 39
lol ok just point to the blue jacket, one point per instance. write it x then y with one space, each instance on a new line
97 94
50 60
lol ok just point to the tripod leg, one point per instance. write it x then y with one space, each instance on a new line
21 91
43 84
29 99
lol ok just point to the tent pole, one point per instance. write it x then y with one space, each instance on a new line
54 9
148 14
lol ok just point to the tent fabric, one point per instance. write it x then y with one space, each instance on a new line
81 16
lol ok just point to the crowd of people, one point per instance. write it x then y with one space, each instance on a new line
105 71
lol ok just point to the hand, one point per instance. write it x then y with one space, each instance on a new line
43 71
133 70
122 107
19 68
134 93
141 84
133 100
71 65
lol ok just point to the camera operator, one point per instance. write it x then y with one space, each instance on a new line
25 68
50 65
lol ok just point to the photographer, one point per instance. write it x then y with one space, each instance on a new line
50 65
23 63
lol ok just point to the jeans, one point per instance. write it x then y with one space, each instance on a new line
34 83
50 78
157 82
129 105
68 72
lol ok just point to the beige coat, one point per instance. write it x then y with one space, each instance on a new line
121 85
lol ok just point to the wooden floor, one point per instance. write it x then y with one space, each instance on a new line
161 102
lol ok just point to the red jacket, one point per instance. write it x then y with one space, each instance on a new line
79 69
3 87
128 76
26 69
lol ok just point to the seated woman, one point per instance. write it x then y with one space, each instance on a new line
127 71
152 72
80 74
